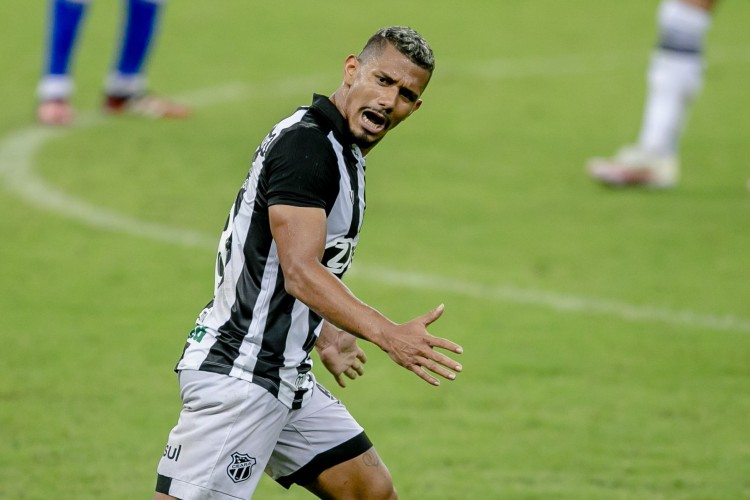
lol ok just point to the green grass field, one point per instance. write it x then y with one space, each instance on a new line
606 332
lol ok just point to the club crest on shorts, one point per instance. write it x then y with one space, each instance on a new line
241 467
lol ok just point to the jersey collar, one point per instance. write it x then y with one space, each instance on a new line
330 112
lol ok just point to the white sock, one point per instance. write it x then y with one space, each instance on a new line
117 84
55 87
675 75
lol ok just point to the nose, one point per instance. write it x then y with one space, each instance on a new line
388 97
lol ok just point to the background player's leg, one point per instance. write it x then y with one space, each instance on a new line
675 77
56 86
139 26
125 86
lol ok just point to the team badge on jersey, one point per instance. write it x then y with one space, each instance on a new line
241 467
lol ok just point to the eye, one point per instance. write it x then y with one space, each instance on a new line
384 79
408 95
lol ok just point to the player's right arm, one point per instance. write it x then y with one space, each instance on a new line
299 233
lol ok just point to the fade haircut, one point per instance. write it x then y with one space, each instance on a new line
405 40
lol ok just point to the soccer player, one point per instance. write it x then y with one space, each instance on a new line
675 77
250 402
125 85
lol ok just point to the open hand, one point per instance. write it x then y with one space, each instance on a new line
411 346
342 356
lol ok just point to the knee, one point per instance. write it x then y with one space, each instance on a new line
384 492
374 485
380 487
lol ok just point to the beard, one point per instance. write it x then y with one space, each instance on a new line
365 141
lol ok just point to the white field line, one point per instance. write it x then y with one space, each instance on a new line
18 150
552 300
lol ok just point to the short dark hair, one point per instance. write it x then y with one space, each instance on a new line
405 40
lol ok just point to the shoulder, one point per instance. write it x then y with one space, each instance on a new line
301 168
303 138
303 147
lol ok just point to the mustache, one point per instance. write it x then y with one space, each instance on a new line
378 115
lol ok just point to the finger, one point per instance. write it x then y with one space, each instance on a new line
437 368
445 344
433 315
361 356
359 369
445 361
340 380
351 373
424 375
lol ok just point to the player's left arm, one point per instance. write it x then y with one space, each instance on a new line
340 354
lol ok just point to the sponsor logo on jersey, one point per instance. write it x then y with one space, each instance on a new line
241 467
172 452
197 333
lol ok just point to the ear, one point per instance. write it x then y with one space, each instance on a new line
417 105
351 67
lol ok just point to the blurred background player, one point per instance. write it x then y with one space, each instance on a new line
675 77
125 85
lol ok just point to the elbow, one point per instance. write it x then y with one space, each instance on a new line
295 280
293 288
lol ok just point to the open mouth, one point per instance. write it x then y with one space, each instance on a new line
374 121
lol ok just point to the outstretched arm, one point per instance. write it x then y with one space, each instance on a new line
299 233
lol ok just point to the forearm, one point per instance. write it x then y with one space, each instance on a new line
331 299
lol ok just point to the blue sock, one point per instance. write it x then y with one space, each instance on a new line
65 19
137 34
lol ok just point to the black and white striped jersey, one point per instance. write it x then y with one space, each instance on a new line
253 329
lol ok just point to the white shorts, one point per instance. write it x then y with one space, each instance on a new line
231 430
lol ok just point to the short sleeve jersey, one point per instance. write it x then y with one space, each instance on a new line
252 328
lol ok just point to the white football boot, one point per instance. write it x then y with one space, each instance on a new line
632 166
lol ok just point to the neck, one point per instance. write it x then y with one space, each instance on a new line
338 98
